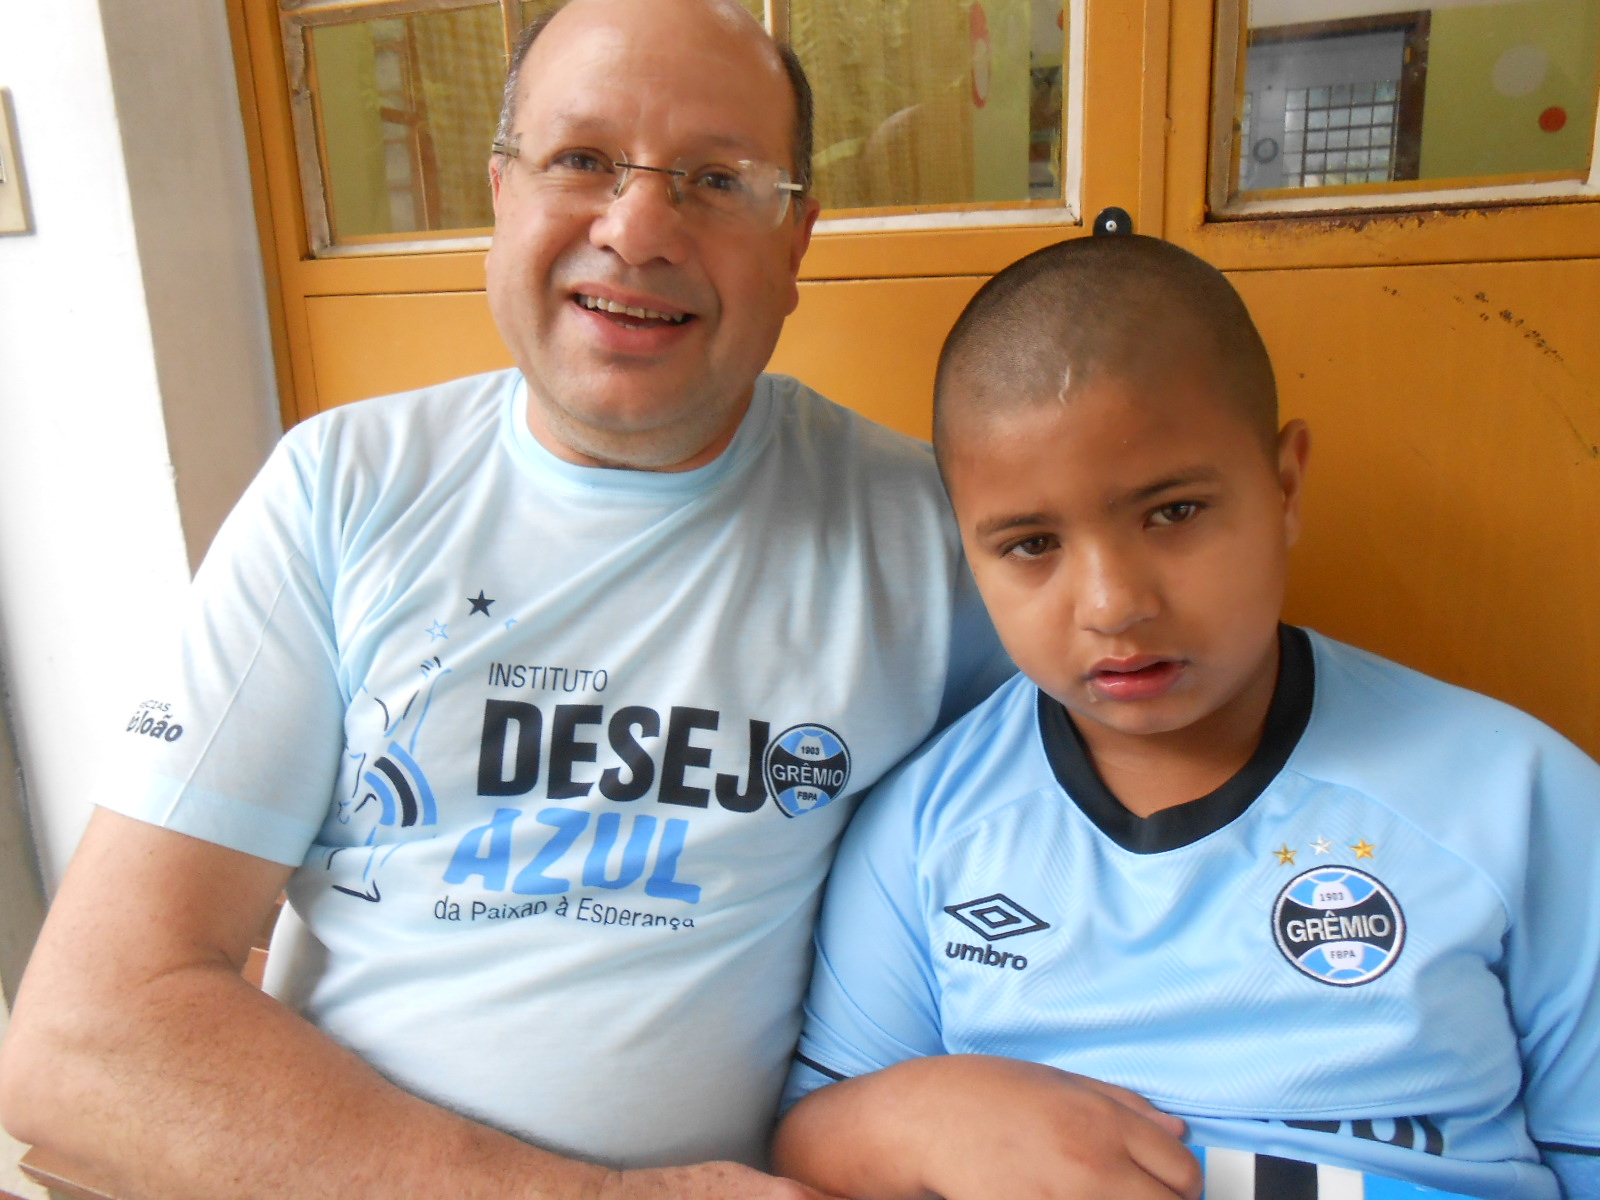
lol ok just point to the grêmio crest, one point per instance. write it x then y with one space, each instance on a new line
806 767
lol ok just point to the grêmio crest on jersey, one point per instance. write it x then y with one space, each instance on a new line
1338 925
806 767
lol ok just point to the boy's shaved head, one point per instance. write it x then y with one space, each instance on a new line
1131 307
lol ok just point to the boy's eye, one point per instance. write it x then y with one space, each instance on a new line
1030 548
1176 513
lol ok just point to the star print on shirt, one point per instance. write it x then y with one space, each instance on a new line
1285 856
1322 845
479 605
437 632
1363 848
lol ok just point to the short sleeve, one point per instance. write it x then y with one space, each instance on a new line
873 999
1553 955
241 745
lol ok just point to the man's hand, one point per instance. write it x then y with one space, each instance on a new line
709 1181
972 1127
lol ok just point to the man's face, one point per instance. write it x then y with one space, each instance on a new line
648 81
1131 544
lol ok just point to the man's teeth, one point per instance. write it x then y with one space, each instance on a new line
596 304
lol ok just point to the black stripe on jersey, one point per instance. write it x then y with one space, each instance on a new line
1563 1148
402 789
818 1067
1186 823
1285 1179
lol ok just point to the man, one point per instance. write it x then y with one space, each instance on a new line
544 694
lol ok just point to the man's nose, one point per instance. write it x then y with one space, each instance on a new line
644 224
1115 588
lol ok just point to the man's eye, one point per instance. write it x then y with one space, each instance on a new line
1176 513
580 162
714 178
1031 548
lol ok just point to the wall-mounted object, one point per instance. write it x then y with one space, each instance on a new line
13 194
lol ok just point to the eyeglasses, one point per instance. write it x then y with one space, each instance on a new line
746 190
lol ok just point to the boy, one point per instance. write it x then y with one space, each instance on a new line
1324 909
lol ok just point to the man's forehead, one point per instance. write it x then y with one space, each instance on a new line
580 120
608 66
671 31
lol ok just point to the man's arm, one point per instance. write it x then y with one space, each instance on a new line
137 1050
972 1127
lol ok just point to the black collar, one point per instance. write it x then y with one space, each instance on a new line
1185 823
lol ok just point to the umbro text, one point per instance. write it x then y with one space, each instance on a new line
987 955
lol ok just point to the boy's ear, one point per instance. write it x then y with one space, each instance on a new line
1294 448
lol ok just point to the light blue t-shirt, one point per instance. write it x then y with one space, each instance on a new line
1376 947
562 753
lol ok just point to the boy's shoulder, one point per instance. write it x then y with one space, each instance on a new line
1440 756
1436 754
1374 718
980 763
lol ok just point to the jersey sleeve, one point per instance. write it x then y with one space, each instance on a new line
873 999
1553 956
241 745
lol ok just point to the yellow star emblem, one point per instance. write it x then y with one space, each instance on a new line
1285 856
1363 848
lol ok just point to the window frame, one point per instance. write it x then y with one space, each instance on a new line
297 18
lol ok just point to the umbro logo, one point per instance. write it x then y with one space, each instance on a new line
995 917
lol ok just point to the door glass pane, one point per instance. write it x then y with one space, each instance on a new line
933 102
406 110
1357 92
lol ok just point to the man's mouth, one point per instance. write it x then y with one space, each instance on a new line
630 316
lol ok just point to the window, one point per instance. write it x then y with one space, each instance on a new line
929 112
1347 103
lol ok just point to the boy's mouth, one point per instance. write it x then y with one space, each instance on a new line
1143 677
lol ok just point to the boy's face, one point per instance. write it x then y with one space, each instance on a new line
1131 544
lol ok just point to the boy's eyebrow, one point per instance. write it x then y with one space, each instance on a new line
996 525
1190 477
1186 478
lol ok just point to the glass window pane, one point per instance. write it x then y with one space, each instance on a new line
1462 91
934 102
406 108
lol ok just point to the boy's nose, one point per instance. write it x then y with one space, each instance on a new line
1114 592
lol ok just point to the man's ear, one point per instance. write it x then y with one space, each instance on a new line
495 163
1294 450
800 240
803 225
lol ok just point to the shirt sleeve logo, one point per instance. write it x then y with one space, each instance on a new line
806 767
1338 925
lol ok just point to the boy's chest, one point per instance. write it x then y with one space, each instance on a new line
1315 953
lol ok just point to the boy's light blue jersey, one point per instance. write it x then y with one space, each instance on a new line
1376 947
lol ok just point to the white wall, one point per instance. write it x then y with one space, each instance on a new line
136 392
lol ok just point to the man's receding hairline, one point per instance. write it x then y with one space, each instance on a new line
800 93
